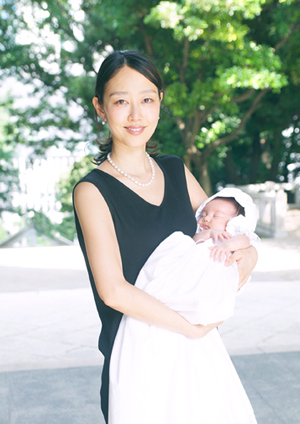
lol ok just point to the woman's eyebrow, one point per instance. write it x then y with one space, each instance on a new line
118 93
150 90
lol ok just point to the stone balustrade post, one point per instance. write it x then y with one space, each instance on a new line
271 202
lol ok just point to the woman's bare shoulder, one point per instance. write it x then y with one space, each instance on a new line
89 202
85 189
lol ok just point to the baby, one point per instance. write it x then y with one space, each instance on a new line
212 224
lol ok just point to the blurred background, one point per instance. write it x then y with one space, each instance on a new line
231 70
231 110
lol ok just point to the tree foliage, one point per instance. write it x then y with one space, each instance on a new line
228 67
9 174
65 190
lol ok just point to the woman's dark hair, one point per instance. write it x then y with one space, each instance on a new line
239 210
108 69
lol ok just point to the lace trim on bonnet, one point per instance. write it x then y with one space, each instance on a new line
239 224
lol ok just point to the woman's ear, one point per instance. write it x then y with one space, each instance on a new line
161 95
99 108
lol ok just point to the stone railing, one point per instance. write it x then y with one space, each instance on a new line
271 201
296 190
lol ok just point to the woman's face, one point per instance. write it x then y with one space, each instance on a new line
131 106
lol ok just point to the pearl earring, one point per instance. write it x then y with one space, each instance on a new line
103 121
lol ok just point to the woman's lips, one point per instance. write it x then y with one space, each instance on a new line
135 130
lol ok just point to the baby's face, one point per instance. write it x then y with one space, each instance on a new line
216 215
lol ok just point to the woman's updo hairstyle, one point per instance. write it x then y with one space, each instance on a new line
108 69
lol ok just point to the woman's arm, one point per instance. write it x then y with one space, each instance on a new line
105 261
237 242
196 193
246 260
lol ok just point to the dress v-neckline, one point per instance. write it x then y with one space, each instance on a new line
137 195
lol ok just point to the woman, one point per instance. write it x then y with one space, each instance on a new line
128 205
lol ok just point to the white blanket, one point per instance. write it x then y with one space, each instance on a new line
162 377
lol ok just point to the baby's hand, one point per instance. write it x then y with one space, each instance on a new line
220 252
217 235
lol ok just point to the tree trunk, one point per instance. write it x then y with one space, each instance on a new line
231 175
205 181
277 152
198 165
256 157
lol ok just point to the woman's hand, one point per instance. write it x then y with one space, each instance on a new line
246 260
199 331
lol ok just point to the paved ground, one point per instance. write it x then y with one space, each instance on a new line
49 364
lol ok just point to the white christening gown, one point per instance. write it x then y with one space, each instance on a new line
162 377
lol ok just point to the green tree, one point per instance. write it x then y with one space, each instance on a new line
221 61
64 195
9 175
226 71
263 151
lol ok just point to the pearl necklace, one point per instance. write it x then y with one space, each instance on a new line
129 176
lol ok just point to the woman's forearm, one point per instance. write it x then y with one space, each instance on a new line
238 242
139 305
246 260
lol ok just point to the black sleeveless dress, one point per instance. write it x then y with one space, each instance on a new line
140 227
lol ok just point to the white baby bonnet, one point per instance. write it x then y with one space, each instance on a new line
239 224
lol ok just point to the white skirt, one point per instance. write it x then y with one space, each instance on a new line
162 377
